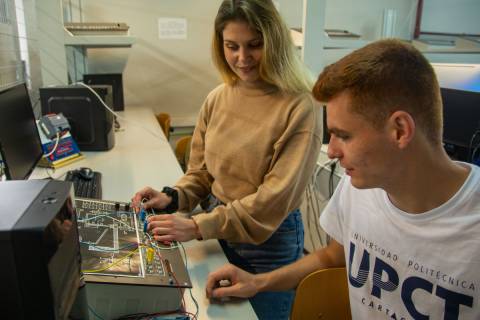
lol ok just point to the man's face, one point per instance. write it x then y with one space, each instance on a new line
366 153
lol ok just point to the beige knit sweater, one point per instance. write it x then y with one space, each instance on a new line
255 150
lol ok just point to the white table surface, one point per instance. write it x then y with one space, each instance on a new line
142 156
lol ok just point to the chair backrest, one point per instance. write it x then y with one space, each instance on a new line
323 294
164 122
182 151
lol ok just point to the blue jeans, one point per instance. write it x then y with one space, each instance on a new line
283 247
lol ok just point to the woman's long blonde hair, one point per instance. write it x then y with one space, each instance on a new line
280 64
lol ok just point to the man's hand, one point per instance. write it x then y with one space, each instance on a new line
169 227
155 199
242 283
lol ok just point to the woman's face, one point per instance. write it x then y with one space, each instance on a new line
243 47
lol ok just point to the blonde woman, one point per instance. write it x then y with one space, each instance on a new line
253 151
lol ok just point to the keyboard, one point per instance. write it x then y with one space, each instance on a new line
86 188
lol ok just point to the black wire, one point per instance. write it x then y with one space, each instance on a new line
309 213
134 316
331 187
197 307
471 149
315 207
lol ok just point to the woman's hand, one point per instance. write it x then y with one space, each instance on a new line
169 227
240 283
155 199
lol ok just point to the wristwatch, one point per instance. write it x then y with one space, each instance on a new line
173 206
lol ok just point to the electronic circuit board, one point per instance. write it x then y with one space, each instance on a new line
113 244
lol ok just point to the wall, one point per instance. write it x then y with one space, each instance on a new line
291 11
364 18
174 76
367 19
171 76
12 68
459 16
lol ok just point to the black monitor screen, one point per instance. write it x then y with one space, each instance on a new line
461 119
20 145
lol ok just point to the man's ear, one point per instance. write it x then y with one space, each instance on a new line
402 128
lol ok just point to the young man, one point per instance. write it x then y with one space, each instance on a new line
405 219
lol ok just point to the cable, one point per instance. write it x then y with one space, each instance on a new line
331 187
471 149
197 308
94 313
153 244
145 242
108 216
121 117
54 147
309 213
182 304
112 264
99 248
50 175
314 205
317 220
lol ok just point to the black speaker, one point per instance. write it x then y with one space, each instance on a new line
113 79
92 125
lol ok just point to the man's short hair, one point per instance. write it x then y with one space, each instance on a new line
383 77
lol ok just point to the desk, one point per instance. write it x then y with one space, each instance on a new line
141 157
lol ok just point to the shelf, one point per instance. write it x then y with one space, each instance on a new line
344 43
98 41
330 42
461 45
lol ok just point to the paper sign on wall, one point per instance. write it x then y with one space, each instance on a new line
172 28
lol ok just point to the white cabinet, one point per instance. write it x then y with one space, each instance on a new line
366 18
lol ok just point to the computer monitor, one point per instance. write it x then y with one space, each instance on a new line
464 77
113 79
40 271
20 145
460 89
461 120
92 125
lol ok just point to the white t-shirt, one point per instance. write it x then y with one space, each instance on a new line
409 266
